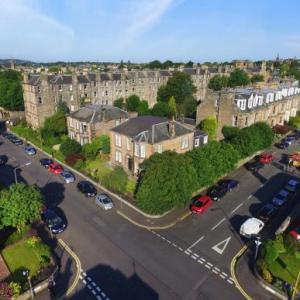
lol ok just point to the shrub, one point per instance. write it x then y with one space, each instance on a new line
17 236
267 276
6 291
104 143
69 146
291 245
210 126
72 159
33 241
230 132
281 129
90 150
116 180
79 165
294 122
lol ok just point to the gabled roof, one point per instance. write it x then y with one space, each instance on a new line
151 129
34 79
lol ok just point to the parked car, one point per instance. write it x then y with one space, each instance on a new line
2 161
11 137
87 188
267 212
55 168
295 233
251 227
292 185
280 198
254 166
229 184
17 141
283 145
217 192
291 137
266 158
54 222
46 162
201 204
67 176
29 150
104 201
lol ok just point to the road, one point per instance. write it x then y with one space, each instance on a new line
120 260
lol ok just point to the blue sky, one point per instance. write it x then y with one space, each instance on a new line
144 30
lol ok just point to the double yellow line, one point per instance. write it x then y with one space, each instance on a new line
232 271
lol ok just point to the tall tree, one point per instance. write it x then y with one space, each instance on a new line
11 93
210 126
238 78
218 82
172 106
62 107
161 109
143 108
119 103
181 87
132 103
19 205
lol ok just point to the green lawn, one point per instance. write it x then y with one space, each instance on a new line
19 257
99 166
286 267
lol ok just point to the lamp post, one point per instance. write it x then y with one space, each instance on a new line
19 167
26 273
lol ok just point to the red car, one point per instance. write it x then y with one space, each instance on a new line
55 168
295 233
266 158
201 204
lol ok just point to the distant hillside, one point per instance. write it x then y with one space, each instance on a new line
6 62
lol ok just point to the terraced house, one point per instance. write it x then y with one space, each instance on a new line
43 92
244 107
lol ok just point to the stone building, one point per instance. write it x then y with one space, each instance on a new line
137 139
244 107
94 120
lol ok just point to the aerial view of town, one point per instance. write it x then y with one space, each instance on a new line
149 150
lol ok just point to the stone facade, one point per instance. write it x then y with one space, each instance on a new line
244 107
94 120
139 138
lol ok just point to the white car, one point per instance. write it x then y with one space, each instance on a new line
280 198
251 227
292 185
104 201
67 176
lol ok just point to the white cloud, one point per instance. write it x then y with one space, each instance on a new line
26 32
142 15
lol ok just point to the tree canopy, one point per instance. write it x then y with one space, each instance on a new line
238 78
19 205
143 108
132 103
70 146
210 126
218 82
181 87
62 107
119 103
11 92
257 78
161 109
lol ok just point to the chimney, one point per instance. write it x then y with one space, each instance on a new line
25 77
171 127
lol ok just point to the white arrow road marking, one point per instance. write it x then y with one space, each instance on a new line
223 245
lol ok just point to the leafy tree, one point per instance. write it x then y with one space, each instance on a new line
54 69
69 146
132 103
167 64
143 108
181 87
218 82
294 122
189 64
161 109
266 134
19 205
210 126
284 70
172 107
11 93
168 182
62 107
155 64
56 124
230 132
104 143
238 78
116 180
119 103
90 150
257 78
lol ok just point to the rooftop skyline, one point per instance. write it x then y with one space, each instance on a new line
143 30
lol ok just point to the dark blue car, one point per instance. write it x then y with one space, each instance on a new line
229 184
54 222
283 145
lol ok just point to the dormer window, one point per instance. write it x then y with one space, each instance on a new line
60 87
38 89
40 101
85 86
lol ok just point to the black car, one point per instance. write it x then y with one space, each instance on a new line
254 166
228 184
267 212
87 188
53 221
17 141
217 192
45 162
2 161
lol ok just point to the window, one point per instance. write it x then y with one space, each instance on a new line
128 144
72 107
118 156
40 101
71 87
196 143
72 98
118 140
205 139
246 121
60 88
136 149
84 86
84 128
235 121
184 142
142 150
274 110
38 89
95 94
159 148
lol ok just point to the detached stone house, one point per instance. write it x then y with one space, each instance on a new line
94 120
137 139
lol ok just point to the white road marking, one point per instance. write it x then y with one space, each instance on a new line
249 196
99 297
222 276
196 254
262 185
93 283
234 210
84 281
89 278
103 294
217 269
208 267
180 248
218 224
194 244
210 264
98 289
187 253
194 257
94 293
200 261
229 281
225 274
89 287
80 276
216 272
223 245
84 274
203 259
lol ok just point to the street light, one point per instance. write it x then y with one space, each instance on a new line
26 273
19 167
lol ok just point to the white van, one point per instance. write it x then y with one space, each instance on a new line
251 227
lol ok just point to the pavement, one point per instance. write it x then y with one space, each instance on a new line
122 260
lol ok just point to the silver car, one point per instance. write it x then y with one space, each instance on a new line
280 198
104 201
67 176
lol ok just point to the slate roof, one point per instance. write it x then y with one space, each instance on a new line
150 129
189 71
82 79
34 79
98 113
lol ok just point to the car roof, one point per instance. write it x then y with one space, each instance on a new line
49 213
203 198
252 225
292 182
283 193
